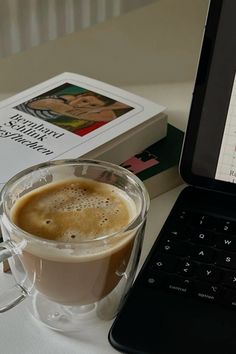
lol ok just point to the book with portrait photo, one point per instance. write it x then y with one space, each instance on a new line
71 116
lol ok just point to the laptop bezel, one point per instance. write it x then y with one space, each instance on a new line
200 86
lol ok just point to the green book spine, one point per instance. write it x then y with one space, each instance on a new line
158 159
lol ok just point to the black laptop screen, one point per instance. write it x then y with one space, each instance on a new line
209 154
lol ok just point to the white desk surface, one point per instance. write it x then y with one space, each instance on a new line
154 53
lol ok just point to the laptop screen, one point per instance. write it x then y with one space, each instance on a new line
209 153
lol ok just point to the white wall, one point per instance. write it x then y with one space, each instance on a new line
28 23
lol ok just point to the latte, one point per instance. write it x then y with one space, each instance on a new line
88 216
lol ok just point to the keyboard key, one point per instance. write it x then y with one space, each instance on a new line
207 291
154 280
178 248
179 219
179 285
226 242
230 279
226 259
177 232
183 216
186 268
226 226
164 262
229 298
204 221
203 254
209 273
204 237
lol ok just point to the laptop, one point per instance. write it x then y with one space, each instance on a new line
184 298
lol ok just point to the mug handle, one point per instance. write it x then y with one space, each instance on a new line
13 296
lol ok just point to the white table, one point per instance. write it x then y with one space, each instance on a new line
154 53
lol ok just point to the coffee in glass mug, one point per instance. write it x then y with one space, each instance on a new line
74 231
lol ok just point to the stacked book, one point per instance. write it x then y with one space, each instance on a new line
157 165
71 116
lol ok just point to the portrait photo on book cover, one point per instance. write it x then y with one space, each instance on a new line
74 108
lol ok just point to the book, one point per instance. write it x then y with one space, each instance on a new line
157 166
71 116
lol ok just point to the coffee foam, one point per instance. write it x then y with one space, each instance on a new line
74 211
72 199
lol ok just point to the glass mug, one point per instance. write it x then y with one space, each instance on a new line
79 276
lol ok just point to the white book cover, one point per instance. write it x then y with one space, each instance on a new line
68 116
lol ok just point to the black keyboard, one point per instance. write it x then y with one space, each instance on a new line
195 256
184 297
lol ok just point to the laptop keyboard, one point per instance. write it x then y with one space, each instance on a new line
196 256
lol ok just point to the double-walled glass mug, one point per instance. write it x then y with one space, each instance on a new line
72 232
